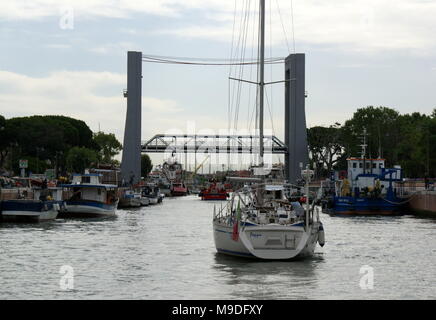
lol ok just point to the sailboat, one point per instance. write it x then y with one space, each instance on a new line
259 221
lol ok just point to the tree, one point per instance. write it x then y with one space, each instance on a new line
414 149
4 144
325 146
80 158
109 146
381 124
47 138
146 165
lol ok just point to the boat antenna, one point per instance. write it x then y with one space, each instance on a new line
364 145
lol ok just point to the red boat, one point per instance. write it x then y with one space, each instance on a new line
214 192
178 190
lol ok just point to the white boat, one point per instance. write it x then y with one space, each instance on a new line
90 196
145 201
279 229
151 193
259 221
130 199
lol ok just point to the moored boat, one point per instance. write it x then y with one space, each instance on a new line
29 210
90 197
215 191
368 189
178 189
151 193
130 199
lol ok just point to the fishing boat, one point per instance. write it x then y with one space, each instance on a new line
178 189
145 201
131 199
88 196
215 191
259 221
151 193
172 170
45 205
29 210
368 189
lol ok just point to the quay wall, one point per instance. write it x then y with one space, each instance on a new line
424 203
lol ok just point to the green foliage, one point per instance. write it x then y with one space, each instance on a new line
146 165
325 146
4 144
80 158
381 125
109 146
408 140
47 138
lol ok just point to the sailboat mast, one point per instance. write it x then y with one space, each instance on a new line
261 78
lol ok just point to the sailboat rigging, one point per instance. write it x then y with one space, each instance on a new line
259 221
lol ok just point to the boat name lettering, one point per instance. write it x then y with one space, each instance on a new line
255 235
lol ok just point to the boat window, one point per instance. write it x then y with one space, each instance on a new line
354 165
380 165
86 179
99 191
367 165
374 165
360 165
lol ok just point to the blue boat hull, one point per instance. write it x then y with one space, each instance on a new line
365 206
30 210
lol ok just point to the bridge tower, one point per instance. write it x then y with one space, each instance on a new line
131 159
295 117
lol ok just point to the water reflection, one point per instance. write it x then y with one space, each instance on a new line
258 279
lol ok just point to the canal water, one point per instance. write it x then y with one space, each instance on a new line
167 252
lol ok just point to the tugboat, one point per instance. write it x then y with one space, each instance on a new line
172 170
178 189
368 189
214 192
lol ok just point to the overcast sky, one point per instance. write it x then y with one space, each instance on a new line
69 57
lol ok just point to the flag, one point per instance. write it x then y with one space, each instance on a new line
235 234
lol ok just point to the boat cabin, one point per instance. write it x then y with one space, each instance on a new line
359 166
88 186
88 178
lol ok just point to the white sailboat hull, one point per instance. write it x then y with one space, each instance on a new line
270 242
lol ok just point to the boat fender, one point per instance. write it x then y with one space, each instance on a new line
321 235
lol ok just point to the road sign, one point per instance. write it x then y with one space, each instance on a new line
23 164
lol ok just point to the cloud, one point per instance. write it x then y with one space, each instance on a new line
78 94
365 25
361 25
94 97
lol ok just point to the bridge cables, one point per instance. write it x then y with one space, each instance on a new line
206 61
